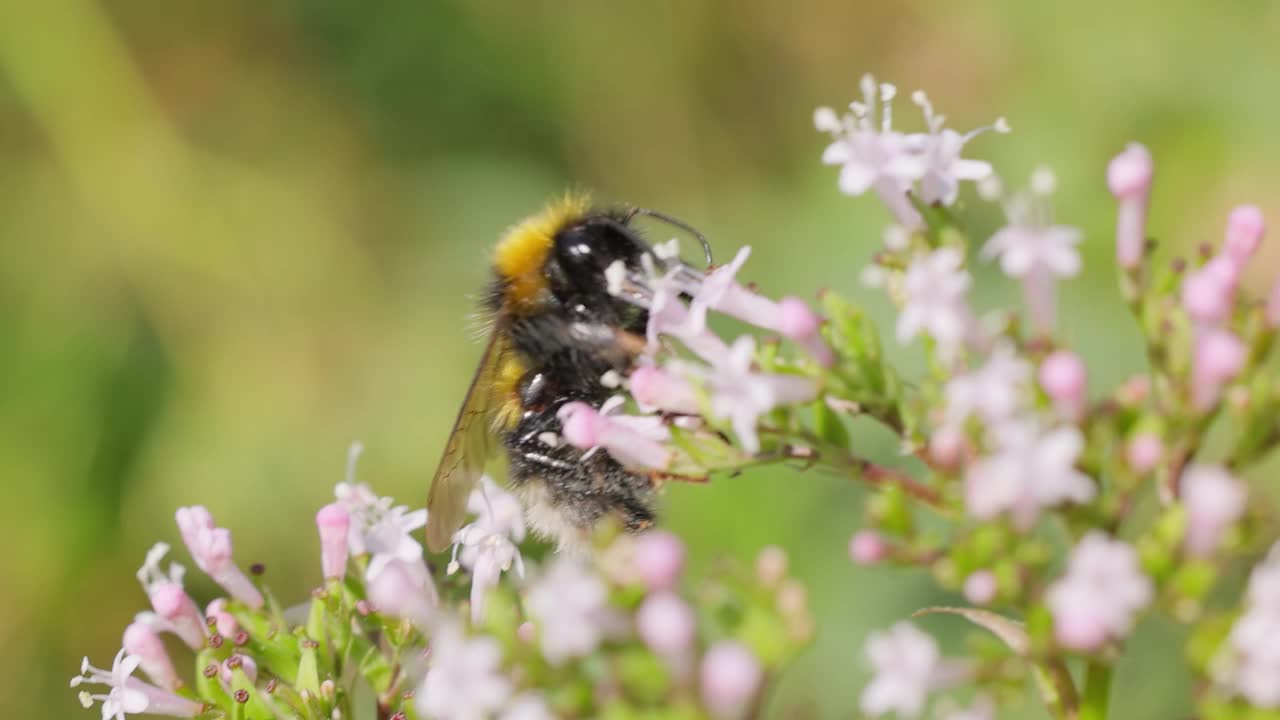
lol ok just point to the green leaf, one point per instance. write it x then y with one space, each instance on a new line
828 425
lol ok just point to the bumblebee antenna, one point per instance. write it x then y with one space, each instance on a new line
675 222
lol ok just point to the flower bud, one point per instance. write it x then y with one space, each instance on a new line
1129 179
1214 500
666 624
659 559
866 547
1063 377
980 587
1219 357
142 640
730 676
333 522
1143 451
656 388
174 605
1245 227
947 447
1209 293
771 566
403 589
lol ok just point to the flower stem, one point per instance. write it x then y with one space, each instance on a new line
1097 692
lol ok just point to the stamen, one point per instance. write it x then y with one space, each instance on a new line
1043 181
887 93
353 456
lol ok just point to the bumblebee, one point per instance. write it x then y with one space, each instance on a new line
555 333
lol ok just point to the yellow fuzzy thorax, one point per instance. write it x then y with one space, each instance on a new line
521 253
506 384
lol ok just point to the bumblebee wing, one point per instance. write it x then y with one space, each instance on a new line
470 443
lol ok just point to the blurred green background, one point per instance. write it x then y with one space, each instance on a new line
236 236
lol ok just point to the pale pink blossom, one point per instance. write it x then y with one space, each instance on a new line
948 447
659 292
1100 594
1249 663
1218 357
1215 500
1030 470
729 678
657 557
486 553
497 509
1143 451
740 394
334 524
1129 178
908 666
666 624
1245 227
993 393
391 535
404 589
634 441
940 149
657 389
465 680
175 611
210 547
1063 377
1209 293
570 605
528 705
128 695
867 547
935 300
143 642
981 587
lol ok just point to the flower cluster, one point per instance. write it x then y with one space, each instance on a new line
1057 512
433 646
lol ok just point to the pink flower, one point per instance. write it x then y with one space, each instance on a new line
657 556
1214 500
1144 451
1219 357
223 621
128 695
1031 470
730 677
981 587
867 547
1245 227
659 293
935 291
908 666
403 589
633 441
657 389
1129 179
176 612
1101 592
487 553
570 605
210 547
1063 377
465 680
143 642
666 624
334 524
1208 294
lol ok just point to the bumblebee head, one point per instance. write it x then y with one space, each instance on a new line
581 252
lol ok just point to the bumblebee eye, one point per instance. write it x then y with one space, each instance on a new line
582 252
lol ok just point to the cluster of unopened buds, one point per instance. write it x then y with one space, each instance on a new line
1059 514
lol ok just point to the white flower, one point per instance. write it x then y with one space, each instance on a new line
1101 592
487 553
121 699
1030 243
569 604
497 509
935 290
741 395
465 680
908 665
1031 470
991 392
1249 663
940 149
390 536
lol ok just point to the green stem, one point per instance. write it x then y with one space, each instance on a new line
1097 692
